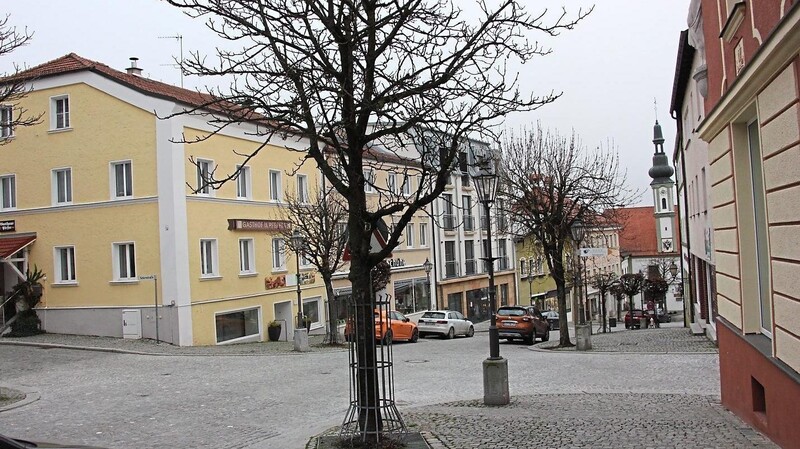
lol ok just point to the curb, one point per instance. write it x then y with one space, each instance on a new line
30 397
554 351
161 354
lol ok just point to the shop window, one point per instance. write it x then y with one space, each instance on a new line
238 325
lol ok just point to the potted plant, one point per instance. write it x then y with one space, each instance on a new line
274 330
28 293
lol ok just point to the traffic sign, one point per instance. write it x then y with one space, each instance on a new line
147 277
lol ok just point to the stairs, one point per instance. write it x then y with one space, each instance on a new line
697 329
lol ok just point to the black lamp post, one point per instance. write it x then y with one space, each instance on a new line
428 266
578 232
486 188
297 243
530 283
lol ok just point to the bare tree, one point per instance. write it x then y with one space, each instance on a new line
321 219
13 88
550 182
352 77
604 283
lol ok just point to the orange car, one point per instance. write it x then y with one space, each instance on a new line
400 328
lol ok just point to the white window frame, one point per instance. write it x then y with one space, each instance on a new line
302 188
423 235
391 183
406 187
247 257
202 178
275 191
278 248
68 194
130 265
369 180
244 183
67 122
58 267
6 121
112 170
209 254
8 192
409 235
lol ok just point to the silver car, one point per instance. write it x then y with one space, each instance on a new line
445 323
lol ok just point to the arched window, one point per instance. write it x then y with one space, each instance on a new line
663 204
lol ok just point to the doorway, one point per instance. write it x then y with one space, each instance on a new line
283 313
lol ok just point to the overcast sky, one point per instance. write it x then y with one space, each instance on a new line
610 68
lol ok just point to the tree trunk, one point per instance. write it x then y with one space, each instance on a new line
333 310
369 413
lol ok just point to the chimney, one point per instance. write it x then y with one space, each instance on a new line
133 69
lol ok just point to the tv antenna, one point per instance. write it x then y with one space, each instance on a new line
178 66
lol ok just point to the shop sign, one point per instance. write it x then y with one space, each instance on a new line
394 263
241 224
8 226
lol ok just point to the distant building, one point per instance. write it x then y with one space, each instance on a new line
751 122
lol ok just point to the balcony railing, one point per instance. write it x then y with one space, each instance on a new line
450 269
469 223
469 266
449 222
503 263
465 180
484 222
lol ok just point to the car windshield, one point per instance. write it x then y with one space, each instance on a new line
511 312
437 315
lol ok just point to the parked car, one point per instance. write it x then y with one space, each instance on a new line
398 325
633 319
552 318
12 443
526 323
445 323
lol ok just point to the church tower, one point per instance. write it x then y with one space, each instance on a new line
663 202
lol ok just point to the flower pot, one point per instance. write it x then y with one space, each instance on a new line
274 333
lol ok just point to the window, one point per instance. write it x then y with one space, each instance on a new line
522 269
124 262
238 325
243 183
208 258
406 188
423 234
450 263
8 192
246 256
410 235
369 180
469 257
204 173
311 310
62 186
761 235
448 218
302 189
278 256
391 183
274 185
59 112
65 265
469 220
502 256
6 120
121 180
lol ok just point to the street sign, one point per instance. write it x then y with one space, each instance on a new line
147 277
594 252
376 244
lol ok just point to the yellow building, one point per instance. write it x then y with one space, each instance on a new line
101 195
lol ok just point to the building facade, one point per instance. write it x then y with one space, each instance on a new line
752 126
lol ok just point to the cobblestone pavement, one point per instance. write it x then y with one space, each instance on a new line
123 401
660 340
152 348
599 421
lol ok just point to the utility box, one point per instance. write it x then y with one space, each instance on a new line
132 323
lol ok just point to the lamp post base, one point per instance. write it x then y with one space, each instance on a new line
583 337
495 382
301 340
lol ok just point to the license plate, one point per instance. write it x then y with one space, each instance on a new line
510 323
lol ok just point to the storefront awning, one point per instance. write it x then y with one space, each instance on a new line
11 244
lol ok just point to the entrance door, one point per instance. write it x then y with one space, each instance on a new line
283 313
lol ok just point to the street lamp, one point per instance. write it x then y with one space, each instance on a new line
578 232
495 368
300 332
530 284
428 266
673 269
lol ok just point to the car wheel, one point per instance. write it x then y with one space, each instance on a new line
387 339
530 339
471 331
415 336
546 336
451 333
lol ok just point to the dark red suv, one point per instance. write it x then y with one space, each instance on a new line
635 322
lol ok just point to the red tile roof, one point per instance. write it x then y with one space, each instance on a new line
10 244
638 236
73 63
